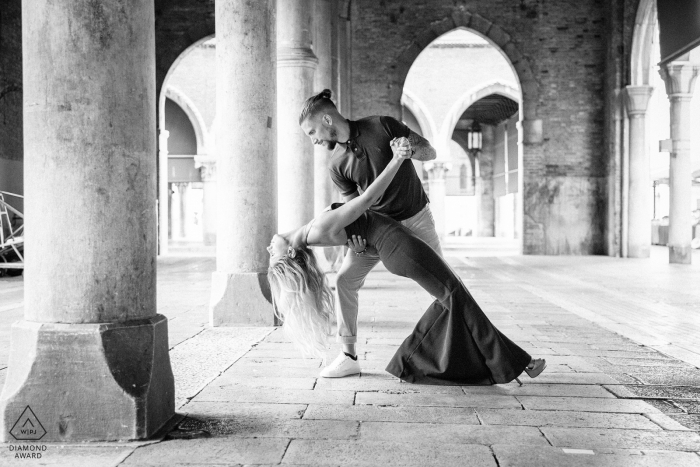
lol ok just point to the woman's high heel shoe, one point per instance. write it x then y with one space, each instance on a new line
536 366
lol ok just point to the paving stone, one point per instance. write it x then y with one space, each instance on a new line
663 392
274 428
665 375
458 415
238 409
569 378
563 418
692 407
211 451
689 421
378 453
667 407
394 385
449 433
515 456
592 438
278 396
666 422
278 362
585 404
197 361
253 370
640 362
237 381
436 400
59 455
513 389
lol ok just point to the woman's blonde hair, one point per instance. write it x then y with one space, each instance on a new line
302 299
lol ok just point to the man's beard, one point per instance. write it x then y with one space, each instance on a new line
334 139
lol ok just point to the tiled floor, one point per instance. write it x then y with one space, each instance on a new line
622 387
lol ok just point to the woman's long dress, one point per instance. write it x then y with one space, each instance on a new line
454 342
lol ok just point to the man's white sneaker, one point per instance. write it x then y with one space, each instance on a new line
341 366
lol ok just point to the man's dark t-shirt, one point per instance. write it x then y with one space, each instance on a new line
366 155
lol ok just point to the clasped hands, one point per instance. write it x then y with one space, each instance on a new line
401 148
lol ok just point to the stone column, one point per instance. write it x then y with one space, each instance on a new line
246 161
163 192
323 79
639 209
485 204
295 81
679 78
324 191
175 217
207 170
182 189
437 193
91 356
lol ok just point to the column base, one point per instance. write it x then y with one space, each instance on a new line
638 251
88 382
241 299
680 254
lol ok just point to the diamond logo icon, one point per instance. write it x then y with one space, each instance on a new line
28 427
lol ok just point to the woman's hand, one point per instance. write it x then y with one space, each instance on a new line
401 148
357 244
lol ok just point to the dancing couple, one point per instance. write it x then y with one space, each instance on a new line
385 218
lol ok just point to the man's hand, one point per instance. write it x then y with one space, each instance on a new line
357 244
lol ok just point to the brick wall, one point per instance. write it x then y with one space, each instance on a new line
559 52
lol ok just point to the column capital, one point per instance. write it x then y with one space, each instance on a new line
637 99
437 169
679 78
207 167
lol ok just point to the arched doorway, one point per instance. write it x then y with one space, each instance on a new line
186 118
461 79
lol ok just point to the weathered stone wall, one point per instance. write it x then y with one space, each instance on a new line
11 144
11 80
558 50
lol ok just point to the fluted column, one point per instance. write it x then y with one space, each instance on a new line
639 208
437 170
485 204
207 171
91 356
246 161
679 78
296 63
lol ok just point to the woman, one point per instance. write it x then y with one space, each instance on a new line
453 343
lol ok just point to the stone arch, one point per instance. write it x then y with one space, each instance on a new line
645 28
425 120
186 104
164 83
472 22
467 99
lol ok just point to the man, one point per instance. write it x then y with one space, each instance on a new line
360 151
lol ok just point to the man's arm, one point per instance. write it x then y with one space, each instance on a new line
422 150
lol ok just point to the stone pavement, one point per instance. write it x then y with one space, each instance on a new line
622 387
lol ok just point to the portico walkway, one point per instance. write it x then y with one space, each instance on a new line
622 387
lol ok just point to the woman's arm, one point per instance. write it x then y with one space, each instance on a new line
337 219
